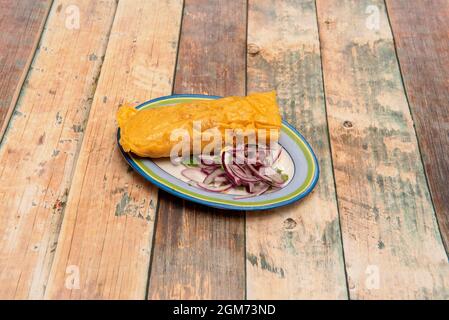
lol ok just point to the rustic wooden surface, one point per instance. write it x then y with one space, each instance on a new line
295 251
392 245
110 241
21 23
76 222
424 60
39 149
199 251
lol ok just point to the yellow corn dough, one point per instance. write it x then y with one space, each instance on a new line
147 132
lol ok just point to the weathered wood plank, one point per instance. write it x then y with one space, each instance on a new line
391 241
40 146
294 252
199 252
21 24
109 218
421 36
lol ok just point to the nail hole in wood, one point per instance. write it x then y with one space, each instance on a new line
253 49
289 224
347 124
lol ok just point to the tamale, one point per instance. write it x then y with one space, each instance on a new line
149 132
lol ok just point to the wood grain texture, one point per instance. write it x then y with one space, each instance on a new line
294 252
21 24
40 146
392 245
199 252
109 218
421 33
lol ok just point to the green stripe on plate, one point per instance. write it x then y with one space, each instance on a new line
301 144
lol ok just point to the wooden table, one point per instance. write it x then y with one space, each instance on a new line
366 82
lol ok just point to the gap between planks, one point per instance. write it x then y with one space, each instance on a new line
26 56
294 252
392 245
199 251
424 64
110 240
39 150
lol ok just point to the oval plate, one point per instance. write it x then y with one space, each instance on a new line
299 158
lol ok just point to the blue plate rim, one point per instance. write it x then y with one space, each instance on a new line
212 204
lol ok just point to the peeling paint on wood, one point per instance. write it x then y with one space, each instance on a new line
21 24
199 251
421 37
303 239
33 179
109 216
391 241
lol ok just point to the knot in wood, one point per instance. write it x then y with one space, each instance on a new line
289 224
347 124
253 49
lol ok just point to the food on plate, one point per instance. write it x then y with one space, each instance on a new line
248 165
148 133
251 168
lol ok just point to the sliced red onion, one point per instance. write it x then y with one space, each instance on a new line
277 156
263 187
243 174
218 175
267 171
212 188
211 177
209 169
193 174
221 179
274 175
277 178
257 174
209 160
232 177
